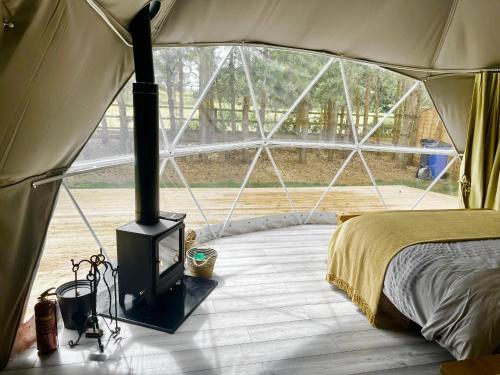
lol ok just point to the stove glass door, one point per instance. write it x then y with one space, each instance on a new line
168 251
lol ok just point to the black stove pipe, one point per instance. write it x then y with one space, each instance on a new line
145 97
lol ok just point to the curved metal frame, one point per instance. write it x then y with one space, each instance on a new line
172 149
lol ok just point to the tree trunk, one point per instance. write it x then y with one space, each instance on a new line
366 104
332 125
213 123
357 115
414 119
302 123
244 116
376 115
122 111
244 122
204 120
205 110
263 109
212 133
180 89
398 114
220 120
169 82
105 135
232 95
323 136
408 125
345 124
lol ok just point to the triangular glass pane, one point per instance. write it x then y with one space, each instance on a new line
278 78
114 136
182 74
263 194
164 139
307 172
353 191
373 92
415 123
67 238
177 73
322 115
444 194
215 179
174 197
226 114
402 177
107 199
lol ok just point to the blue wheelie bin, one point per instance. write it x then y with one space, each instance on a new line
432 165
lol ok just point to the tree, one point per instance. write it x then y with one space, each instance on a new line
408 126
165 65
122 113
343 131
377 107
278 78
302 125
244 121
232 94
331 124
206 108
357 115
180 86
105 134
398 113
367 99
171 101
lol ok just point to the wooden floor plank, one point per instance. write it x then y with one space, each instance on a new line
272 313
429 369
225 356
357 362
273 301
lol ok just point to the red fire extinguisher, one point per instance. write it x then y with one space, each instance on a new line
46 323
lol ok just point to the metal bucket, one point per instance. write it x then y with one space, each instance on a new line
75 308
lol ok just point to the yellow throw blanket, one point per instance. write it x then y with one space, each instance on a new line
361 248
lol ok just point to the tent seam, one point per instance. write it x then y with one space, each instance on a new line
161 21
392 67
106 17
449 21
54 171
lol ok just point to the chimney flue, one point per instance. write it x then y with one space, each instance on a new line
146 148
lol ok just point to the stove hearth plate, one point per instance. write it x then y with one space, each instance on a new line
171 308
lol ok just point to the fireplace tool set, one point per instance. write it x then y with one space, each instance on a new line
78 299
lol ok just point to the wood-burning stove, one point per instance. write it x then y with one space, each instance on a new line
151 248
150 258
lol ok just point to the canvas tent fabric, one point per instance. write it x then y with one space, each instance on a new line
64 61
60 67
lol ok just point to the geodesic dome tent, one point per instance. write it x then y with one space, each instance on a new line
63 63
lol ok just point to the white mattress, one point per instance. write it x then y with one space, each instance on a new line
452 290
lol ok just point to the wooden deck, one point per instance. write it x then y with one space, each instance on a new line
107 209
272 313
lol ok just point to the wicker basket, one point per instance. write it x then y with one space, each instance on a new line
201 268
190 239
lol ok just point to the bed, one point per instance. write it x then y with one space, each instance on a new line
439 269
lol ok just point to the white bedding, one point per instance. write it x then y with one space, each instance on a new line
452 290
